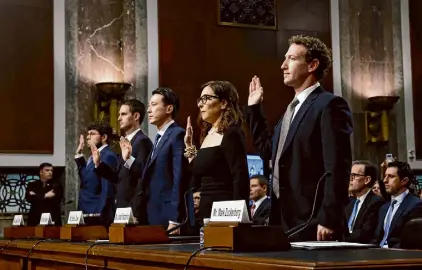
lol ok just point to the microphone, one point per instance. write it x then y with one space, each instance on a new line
297 229
187 213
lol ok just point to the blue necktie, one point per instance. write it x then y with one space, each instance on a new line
157 138
388 222
352 217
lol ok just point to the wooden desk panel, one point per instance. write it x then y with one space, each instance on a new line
66 255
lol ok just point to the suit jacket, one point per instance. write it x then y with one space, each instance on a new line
318 141
159 196
262 213
410 208
127 179
96 194
40 204
367 220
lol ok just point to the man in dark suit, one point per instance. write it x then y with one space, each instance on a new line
362 210
403 207
161 190
96 194
135 147
261 204
45 196
311 142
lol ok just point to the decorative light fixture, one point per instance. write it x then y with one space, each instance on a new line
376 118
109 97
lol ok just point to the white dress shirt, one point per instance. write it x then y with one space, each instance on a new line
301 97
99 150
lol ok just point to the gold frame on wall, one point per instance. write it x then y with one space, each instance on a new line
235 24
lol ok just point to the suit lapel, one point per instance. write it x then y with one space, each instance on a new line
277 131
163 140
403 206
261 206
299 115
363 207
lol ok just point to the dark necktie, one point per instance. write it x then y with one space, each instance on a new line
157 139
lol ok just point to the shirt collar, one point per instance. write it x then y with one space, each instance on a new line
130 136
305 93
363 197
102 147
258 202
400 197
163 130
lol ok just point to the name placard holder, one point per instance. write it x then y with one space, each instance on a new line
230 227
46 228
124 230
18 230
76 230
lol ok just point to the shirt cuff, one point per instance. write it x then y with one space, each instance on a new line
78 156
129 162
173 223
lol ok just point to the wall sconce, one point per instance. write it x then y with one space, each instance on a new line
108 99
376 118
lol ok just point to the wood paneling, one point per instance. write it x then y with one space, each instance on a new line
26 76
195 49
415 6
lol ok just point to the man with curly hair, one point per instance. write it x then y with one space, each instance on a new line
310 149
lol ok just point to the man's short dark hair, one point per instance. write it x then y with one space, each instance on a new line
169 98
136 106
102 127
403 170
316 50
262 180
370 170
43 165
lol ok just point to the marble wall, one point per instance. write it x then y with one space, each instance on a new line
106 41
372 65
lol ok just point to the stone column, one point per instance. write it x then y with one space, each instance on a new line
372 65
106 42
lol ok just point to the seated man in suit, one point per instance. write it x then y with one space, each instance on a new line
261 206
45 196
96 194
163 184
403 207
135 147
362 210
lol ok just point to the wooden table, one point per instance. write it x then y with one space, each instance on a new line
67 255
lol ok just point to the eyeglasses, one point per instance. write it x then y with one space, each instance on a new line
354 175
203 99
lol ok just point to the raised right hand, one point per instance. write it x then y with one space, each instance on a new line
81 144
188 134
256 93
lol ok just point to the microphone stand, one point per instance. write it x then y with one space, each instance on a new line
187 213
297 229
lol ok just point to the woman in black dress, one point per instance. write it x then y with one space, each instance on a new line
220 169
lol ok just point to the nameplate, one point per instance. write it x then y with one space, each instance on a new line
124 215
46 219
230 211
76 218
18 220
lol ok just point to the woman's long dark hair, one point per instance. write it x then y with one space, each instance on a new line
232 115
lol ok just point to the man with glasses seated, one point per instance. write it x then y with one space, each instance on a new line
362 210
